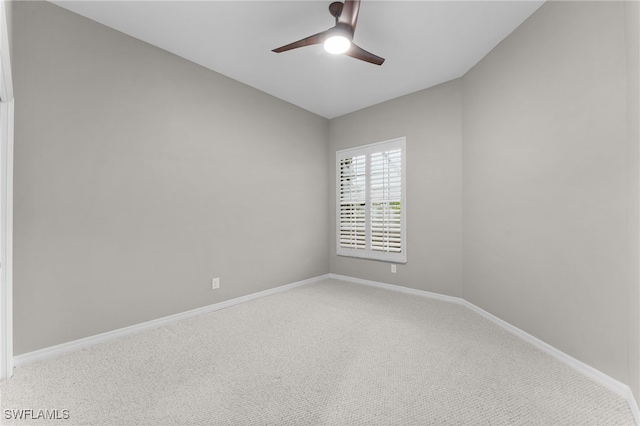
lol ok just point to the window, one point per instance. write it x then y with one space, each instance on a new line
371 207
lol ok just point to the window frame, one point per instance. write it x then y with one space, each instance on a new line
367 151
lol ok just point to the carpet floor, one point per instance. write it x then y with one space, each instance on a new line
330 353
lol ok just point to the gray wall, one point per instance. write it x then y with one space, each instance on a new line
431 121
545 183
632 27
139 176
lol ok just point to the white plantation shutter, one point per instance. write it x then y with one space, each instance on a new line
371 207
386 201
352 202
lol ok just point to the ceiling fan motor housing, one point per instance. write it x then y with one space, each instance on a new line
335 9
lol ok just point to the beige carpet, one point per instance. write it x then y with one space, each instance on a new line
330 353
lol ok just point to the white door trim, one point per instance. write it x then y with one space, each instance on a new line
6 202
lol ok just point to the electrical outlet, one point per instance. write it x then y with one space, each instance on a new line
393 269
215 283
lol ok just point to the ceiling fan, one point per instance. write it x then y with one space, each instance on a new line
339 38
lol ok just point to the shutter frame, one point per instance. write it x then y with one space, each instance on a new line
385 204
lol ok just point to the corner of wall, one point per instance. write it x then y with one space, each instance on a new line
430 120
632 33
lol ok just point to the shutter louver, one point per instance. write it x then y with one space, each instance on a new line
352 202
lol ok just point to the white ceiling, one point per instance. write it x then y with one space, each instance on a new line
425 43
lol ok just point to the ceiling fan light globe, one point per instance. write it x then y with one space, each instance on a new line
337 44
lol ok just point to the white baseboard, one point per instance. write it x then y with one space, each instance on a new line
596 375
65 348
599 377
397 288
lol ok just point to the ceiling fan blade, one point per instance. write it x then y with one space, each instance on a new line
308 41
359 53
349 15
